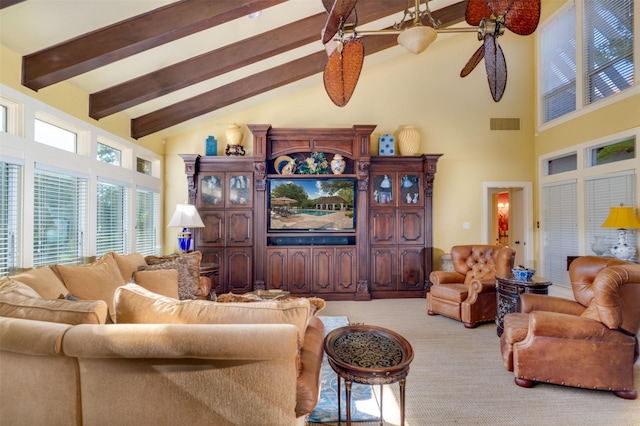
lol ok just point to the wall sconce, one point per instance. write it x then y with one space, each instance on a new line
622 218
186 216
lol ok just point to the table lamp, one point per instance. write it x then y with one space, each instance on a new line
186 216
622 218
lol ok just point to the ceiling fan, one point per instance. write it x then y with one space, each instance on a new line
491 17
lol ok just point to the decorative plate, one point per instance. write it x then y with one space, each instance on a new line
281 162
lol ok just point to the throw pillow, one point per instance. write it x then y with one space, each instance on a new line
137 305
63 311
94 281
43 280
188 267
9 285
164 281
128 264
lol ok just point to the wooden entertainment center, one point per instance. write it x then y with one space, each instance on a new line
383 251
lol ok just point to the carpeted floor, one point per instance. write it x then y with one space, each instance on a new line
457 376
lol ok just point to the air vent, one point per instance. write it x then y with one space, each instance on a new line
505 124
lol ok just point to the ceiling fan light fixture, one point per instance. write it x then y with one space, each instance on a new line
416 39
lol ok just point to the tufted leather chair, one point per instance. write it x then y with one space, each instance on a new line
589 343
468 294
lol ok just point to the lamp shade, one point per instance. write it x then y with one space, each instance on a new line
186 216
621 218
417 38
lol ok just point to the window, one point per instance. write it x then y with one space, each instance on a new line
608 48
147 221
10 240
3 118
604 63
560 225
558 65
59 217
602 193
143 166
613 152
562 164
112 220
109 155
55 136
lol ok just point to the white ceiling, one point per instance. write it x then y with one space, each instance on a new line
33 25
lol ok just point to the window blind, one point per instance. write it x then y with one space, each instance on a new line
600 194
10 175
560 225
608 48
558 65
59 219
112 218
147 221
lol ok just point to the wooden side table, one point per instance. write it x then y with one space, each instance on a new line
369 355
211 271
508 293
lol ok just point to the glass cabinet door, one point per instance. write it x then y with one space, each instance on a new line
410 192
240 189
211 191
383 189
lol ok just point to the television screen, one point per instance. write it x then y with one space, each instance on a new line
312 204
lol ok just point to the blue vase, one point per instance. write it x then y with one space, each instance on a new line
211 146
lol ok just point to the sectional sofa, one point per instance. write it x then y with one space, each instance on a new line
83 345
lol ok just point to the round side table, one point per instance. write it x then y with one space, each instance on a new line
369 355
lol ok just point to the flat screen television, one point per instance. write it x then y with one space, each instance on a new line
311 204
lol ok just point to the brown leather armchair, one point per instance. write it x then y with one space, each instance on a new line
468 294
589 343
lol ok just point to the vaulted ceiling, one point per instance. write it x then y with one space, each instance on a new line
163 63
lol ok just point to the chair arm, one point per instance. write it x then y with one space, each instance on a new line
530 302
565 326
477 286
446 277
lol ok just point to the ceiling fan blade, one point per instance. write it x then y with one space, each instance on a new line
473 61
523 16
342 11
496 67
342 71
476 10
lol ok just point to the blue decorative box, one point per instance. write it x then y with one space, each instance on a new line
387 145
211 146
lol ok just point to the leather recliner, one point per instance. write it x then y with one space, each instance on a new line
588 343
468 293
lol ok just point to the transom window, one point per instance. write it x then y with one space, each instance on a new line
55 136
108 154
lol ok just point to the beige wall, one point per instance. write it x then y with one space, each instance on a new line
398 88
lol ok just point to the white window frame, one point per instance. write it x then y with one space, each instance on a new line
19 143
582 108
584 172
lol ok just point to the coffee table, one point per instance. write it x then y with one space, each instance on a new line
369 355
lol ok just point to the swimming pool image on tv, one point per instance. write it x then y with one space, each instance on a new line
314 212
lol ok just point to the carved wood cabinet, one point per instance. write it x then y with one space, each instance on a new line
384 252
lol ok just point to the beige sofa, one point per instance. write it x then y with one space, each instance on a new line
161 361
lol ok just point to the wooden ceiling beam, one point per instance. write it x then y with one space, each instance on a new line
226 59
137 34
7 3
266 80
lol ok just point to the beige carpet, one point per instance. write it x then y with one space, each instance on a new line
457 376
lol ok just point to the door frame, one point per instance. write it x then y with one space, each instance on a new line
489 188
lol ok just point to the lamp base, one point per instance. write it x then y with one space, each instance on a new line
185 241
622 250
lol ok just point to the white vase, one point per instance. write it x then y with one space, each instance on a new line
337 164
234 135
408 140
